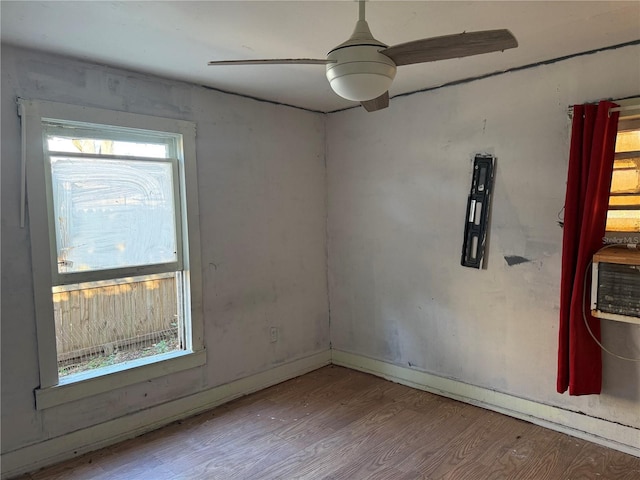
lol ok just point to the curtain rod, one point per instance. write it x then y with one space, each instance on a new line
624 109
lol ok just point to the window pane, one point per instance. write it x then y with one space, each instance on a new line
623 221
625 180
112 213
628 141
631 201
624 200
99 324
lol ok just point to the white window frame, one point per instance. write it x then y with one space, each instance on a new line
52 390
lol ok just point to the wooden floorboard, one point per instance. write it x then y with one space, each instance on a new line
339 424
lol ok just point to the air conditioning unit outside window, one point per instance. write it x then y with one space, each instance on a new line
615 284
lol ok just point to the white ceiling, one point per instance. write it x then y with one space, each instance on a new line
175 39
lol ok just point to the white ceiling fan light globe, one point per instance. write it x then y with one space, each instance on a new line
360 72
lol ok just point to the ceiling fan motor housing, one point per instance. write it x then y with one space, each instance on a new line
360 72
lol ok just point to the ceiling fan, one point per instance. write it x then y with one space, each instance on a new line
362 68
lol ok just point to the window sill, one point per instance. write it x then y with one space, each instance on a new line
87 384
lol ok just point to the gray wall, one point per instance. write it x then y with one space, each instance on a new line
398 184
262 194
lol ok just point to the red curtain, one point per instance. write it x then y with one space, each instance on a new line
593 139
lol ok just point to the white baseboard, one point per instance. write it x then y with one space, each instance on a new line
71 445
620 437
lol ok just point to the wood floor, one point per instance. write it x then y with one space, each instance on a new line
336 423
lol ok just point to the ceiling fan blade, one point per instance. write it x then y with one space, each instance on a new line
450 46
377 103
272 61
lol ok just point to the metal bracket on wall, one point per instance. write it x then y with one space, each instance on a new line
475 230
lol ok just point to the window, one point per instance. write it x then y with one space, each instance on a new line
113 219
623 217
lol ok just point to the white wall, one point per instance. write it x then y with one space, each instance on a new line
262 194
398 183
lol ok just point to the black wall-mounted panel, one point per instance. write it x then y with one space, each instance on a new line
478 205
